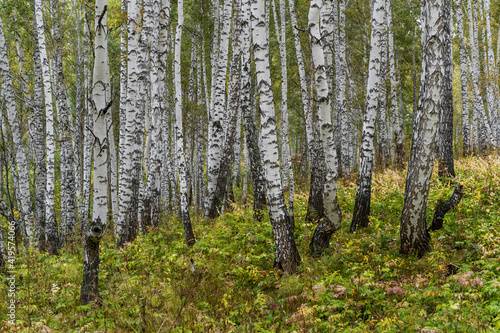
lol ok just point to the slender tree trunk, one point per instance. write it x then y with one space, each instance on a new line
363 193
341 84
463 79
51 232
39 144
101 96
414 235
315 209
445 143
224 169
251 134
396 107
287 256
129 184
68 194
217 114
333 216
28 226
179 142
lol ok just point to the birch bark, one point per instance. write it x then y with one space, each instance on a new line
101 105
287 256
51 232
363 192
333 216
28 226
414 235
179 142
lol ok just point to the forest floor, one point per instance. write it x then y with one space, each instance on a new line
360 284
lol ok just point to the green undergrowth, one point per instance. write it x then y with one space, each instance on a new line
360 284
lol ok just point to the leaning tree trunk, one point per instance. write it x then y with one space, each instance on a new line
445 143
26 210
51 233
287 255
414 235
363 193
179 142
333 216
444 206
101 95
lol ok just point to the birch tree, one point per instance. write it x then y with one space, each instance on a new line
101 105
445 143
51 232
396 107
287 257
179 142
315 209
28 226
363 192
333 216
39 143
466 140
251 134
414 235
68 194
218 103
129 185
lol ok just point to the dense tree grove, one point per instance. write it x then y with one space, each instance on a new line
116 114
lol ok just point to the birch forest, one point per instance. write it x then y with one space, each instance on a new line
250 165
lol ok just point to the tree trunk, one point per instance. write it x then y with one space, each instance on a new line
444 206
39 144
445 146
179 142
217 114
101 97
224 169
287 256
129 182
26 210
51 232
259 183
315 209
414 235
333 216
463 79
68 194
363 193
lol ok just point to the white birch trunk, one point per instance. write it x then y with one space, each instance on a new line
333 216
367 151
396 107
414 235
129 187
39 143
464 86
287 257
51 232
179 144
68 217
217 114
28 226
101 105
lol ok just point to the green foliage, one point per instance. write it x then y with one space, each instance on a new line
361 283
